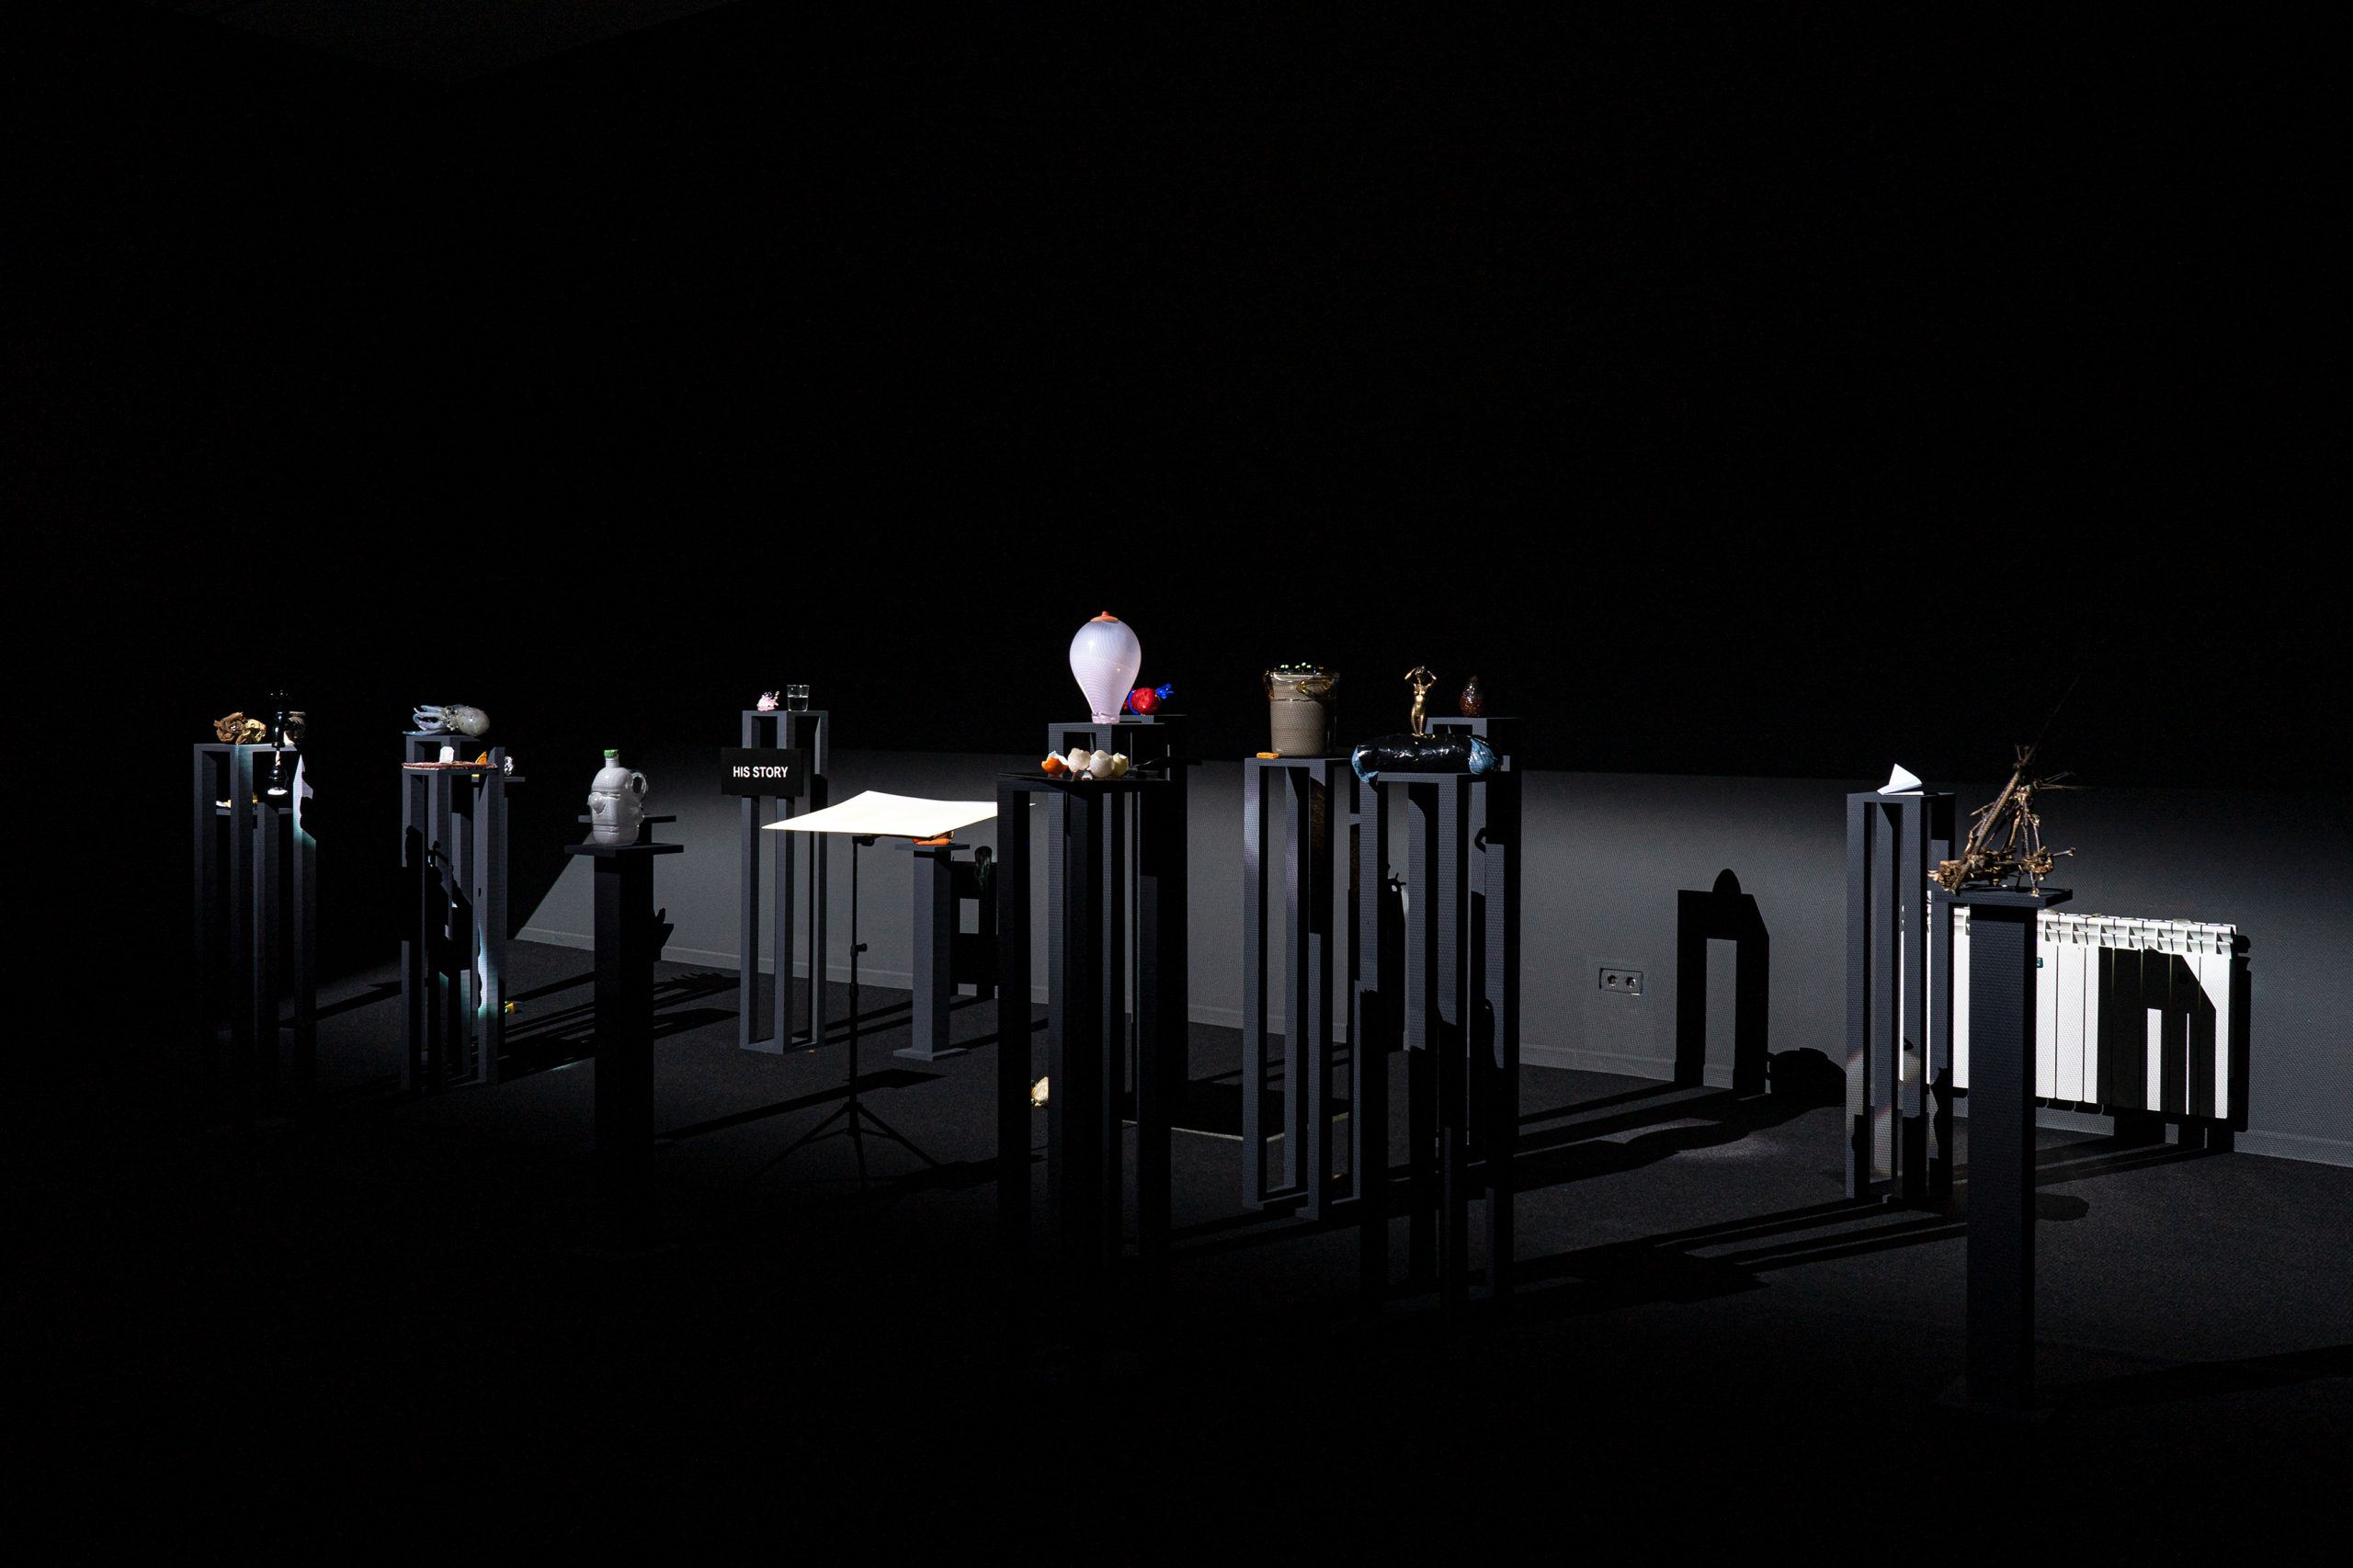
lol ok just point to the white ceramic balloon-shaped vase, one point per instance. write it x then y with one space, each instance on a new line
615 803
1105 657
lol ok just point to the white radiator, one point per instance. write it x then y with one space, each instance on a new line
2129 1015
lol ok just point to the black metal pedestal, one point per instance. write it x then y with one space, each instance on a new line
1308 801
1449 985
453 943
628 942
809 731
1899 1073
1094 832
256 930
945 956
2003 954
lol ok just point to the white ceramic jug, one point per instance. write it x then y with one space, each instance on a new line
615 803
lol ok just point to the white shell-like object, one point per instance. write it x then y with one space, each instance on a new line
1099 764
1119 765
1077 759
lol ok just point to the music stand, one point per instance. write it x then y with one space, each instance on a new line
862 819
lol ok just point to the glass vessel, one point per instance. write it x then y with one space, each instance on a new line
1300 700
1104 657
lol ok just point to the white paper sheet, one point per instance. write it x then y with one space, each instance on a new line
875 814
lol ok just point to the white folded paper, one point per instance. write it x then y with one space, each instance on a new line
1900 781
874 815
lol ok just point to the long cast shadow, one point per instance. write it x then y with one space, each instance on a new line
1578 1152
1651 1091
382 990
1666 1267
889 1078
1586 1149
2203 1380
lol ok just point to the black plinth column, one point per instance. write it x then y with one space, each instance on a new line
453 950
1014 1068
1449 984
810 730
255 932
933 921
628 941
1376 958
1303 789
1899 1097
2003 954
1093 832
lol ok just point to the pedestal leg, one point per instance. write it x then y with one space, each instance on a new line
934 930
244 1010
269 937
1074 1050
624 887
2001 1155
1162 997
1375 963
1254 814
1013 1023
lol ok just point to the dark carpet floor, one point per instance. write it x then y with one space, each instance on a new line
389 1325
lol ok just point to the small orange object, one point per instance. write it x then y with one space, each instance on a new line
1054 767
1268 756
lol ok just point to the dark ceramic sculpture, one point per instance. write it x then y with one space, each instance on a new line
1452 753
1474 702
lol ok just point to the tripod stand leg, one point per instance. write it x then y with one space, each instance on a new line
884 1129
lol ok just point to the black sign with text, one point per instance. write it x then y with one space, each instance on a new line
777 772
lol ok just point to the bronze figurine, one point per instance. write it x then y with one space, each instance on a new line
1421 679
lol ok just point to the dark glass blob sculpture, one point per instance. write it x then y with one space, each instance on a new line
1451 752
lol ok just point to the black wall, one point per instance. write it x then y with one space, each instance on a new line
1739 395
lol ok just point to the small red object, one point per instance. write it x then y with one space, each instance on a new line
1143 699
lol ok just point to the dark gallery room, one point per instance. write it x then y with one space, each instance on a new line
1592 787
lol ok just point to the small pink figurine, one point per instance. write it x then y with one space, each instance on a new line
768 703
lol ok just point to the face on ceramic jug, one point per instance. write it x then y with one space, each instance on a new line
616 801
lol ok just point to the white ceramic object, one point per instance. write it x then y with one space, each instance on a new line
615 803
1105 657
456 717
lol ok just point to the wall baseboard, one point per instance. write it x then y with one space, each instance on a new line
2296 1146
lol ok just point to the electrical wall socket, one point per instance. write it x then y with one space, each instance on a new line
1623 981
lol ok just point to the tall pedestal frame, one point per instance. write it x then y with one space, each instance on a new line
810 730
2004 953
256 934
